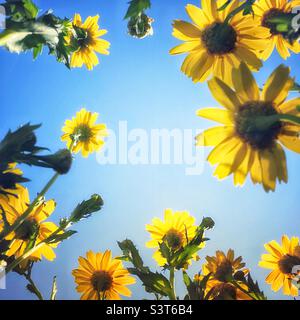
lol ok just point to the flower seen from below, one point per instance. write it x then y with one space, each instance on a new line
238 148
85 39
175 230
222 269
266 10
214 46
282 259
33 226
223 266
83 134
100 277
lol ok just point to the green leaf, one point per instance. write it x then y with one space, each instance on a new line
137 7
131 253
37 51
182 256
61 237
31 9
153 282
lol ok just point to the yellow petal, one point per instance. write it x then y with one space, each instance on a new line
213 136
278 85
223 94
269 172
187 29
245 84
216 114
290 142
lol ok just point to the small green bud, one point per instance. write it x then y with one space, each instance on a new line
86 208
140 26
207 223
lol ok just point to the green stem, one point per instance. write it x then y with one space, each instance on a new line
172 282
22 218
265 122
35 288
238 9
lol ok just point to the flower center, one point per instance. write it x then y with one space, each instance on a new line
26 230
258 139
82 38
174 239
223 271
219 38
287 262
101 281
82 133
270 15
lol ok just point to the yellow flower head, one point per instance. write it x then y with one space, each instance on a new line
100 277
215 46
176 230
238 149
223 267
86 39
269 9
14 207
81 133
281 259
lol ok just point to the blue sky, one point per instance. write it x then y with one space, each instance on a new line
141 83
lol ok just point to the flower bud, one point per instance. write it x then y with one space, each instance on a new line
61 161
207 223
86 208
140 26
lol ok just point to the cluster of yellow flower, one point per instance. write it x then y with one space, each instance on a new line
255 123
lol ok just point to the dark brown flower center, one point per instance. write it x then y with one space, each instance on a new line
224 270
219 38
101 281
287 262
174 239
82 133
26 230
247 113
269 20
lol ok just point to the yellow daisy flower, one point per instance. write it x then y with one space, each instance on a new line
281 259
86 39
215 46
267 9
81 133
223 267
176 230
238 149
14 207
100 277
